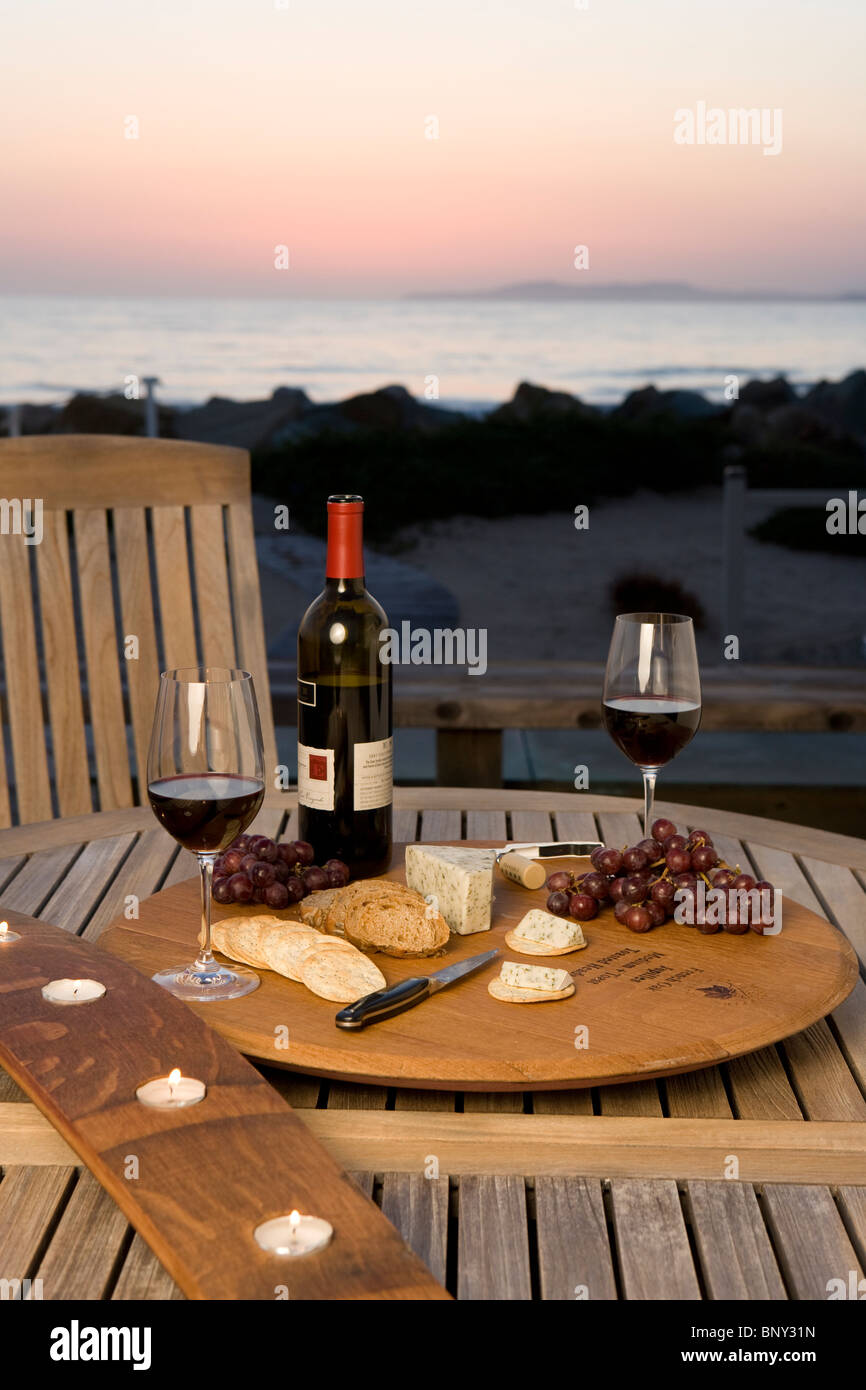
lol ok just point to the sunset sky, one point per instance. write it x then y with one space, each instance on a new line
305 125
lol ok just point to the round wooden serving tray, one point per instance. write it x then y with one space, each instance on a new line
666 1001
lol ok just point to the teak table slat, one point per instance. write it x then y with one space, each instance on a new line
579 1173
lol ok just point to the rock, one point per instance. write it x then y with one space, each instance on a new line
651 404
768 395
530 402
393 408
795 424
245 424
841 403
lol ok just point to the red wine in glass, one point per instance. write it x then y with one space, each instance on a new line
651 729
205 783
206 812
651 704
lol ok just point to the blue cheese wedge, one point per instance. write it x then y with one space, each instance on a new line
458 882
542 977
546 930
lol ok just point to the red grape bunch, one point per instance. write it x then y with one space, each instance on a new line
646 882
256 869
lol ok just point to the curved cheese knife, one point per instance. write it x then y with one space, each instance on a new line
384 1003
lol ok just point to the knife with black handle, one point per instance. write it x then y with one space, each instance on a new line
384 1003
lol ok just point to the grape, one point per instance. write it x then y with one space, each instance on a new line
263 847
597 886
674 842
559 882
657 912
281 870
662 829
685 900
583 906
338 873
734 924
704 857
651 848
594 855
305 854
686 881
621 909
248 863
233 858
222 892
635 858
633 889
557 903
722 878
314 878
678 860
276 895
610 861
638 919
663 891
708 928
241 888
262 874
241 842
258 895
287 853
295 889
698 837
743 881
614 889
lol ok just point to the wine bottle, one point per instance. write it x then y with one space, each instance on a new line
345 744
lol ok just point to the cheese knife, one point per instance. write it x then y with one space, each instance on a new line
552 849
384 1003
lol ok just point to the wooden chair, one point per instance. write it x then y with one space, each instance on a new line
144 538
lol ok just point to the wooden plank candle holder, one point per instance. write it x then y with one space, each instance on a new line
195 1181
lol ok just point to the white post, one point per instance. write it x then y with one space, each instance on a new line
151 414
733 508
13 421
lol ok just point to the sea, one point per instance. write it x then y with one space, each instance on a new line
469 353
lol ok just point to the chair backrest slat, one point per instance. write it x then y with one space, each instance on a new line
212 587
136 608
188 603
104 655
65 710
23 692
248 617
173 584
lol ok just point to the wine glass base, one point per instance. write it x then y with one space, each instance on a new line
203 986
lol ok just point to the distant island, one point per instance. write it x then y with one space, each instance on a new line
654 290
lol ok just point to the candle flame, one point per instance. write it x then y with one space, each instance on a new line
174 1076
4 926
294 1219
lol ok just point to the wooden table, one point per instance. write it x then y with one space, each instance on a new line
622 1192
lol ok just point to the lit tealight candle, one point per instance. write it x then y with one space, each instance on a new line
73 991
172 1092
294 1234
7 935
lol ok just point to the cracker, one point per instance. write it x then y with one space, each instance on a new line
509 994
525 947
340 973
284 946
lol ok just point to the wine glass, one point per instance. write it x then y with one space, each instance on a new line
205 782
652 692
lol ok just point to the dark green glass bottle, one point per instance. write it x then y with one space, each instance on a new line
345 743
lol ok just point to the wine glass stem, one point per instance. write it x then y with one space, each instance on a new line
649 791
204 959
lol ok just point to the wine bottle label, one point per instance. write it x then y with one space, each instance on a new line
306 692
374 774
316 777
